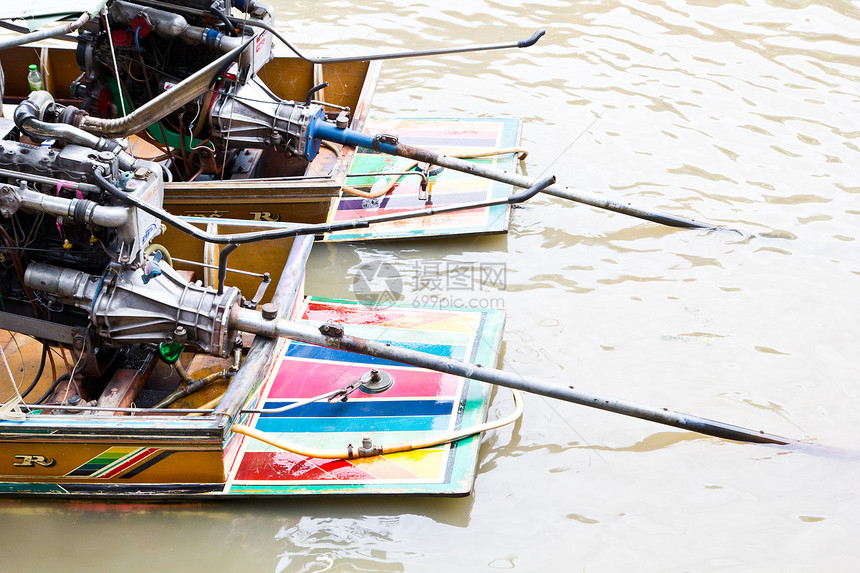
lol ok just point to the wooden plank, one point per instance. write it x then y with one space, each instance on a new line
126 383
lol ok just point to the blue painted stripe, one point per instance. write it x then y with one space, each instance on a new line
360 408
308 351
412 202
447 141
381 424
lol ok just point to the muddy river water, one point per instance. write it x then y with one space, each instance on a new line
743 113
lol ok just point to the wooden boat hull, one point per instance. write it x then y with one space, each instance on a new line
182 456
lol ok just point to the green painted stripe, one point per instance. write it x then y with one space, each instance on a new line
103 461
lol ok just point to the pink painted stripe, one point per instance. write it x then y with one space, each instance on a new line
452 130
297 379
457 216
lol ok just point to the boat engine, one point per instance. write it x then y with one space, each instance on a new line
78 262
152 46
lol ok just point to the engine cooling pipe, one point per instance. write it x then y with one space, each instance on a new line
172 25
29 117
253 7
80 210
46 33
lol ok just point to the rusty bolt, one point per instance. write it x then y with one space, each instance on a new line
269 311
332 329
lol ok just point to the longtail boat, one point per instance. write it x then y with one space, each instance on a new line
142 358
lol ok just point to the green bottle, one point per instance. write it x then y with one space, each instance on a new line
34 78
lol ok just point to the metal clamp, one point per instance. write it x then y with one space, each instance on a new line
342 395
381 138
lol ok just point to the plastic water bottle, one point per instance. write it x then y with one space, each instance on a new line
34 78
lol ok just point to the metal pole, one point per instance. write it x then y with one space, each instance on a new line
389 144
298 229
251 321
391 55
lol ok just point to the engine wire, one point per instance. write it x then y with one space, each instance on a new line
106 20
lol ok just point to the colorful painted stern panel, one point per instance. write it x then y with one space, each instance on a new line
450 136
420 403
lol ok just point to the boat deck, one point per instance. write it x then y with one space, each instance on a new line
455 137
420 403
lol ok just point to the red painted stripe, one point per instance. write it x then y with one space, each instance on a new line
287 466
356 314
126 465
343 470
